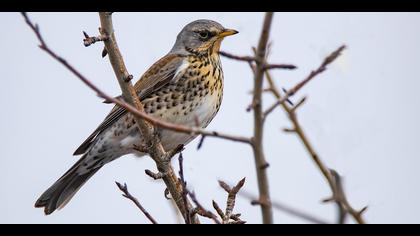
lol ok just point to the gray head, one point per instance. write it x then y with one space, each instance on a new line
201 36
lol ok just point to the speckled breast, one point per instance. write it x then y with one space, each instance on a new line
193 99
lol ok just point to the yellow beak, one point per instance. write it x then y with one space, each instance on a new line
227 32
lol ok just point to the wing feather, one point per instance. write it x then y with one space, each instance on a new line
157 76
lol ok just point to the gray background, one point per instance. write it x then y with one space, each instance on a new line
361 115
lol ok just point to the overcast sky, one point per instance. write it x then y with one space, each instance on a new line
361 115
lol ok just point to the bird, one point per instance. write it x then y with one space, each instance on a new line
184 87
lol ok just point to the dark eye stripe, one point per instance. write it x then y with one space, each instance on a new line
205 34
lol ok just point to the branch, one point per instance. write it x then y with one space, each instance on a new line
344 207
128 195
260 161
238 58
156 150
201 210
184 187
302 136
250 59
312 75
279 66
88 40
226 217
230 203
286 209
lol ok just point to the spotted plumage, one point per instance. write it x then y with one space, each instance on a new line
184 87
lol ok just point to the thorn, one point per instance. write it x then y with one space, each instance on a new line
200 144
300 103
287 100
104 52
128 78
265 166
255 203
289 130
167 194
328 200
249 108
362 211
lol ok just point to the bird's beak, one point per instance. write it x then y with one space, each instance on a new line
227 32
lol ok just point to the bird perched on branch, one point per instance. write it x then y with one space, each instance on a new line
184 87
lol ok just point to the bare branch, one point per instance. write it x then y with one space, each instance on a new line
302 136
88 40
279 66
201 210
218 209
128 195
184 187
238 58
156 151
343 205
250 59
263 186
329 59
230 204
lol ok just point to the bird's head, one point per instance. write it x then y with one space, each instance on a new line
201 36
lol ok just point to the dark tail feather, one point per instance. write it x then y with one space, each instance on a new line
61 192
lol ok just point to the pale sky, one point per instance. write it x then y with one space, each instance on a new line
361 115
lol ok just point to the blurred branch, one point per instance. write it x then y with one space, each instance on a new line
291 112
286 209
128 195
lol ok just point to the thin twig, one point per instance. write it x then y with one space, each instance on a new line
128 195
184 187
156 151
88 40
302 136
235 57
230 203
201 210
155 176
152 140
344 207
280 66
253 59
201 142
312 75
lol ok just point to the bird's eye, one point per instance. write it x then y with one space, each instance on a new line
203 34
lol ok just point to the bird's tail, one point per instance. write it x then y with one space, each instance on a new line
61 192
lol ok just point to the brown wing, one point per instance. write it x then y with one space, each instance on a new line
157 76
